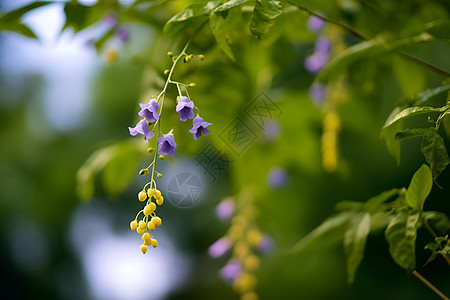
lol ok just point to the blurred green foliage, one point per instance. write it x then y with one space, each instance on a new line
250 46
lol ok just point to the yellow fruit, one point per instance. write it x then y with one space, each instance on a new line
133 225
140 230
142 196
143 249
160 200
152 206
157 221
151 226
142 224
154 243
146 236
147 210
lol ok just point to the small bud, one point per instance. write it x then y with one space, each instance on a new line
145 236
160 200
142 196
151 192
143 172
201 57
142 224
148 242
157 221
159 175
147 210
133 225
152 206
166 72
151 226
154 243
170 54
140 230
161 157
191 56
157 194
192 84
143 249
150 150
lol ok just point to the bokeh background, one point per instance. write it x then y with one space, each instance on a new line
61 99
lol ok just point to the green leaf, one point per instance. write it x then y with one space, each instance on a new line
438 220
439 29
401 235
373 204
15 15
412 111
330 231
429 94
189 18
220 28
18 28
388 134
355 242
79 16
227 5
120 169
411 77
433 148
419 188
264 15
409 133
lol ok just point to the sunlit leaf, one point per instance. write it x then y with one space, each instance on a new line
433 148
401 235
412 111
220 28
373 204
355 243
264 15
419 188
439 29
388 134
227 5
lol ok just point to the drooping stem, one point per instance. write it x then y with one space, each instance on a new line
429 284
431 231
364 37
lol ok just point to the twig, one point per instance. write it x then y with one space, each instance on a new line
430 285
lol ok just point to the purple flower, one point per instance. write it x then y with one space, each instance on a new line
149 111
111 20
185 108
277 178
231 270
316 62
272 130
225 209
315 24
219 248
199 127
167 144
267 244
142 128
322 45
317 92
123 34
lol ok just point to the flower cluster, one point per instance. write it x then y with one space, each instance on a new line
150 126
245 242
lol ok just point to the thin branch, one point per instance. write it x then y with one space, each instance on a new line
430 285
364 37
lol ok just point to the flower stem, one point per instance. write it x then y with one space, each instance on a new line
364 37
430 285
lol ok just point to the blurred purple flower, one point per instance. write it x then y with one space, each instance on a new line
141 128
317 92
123 34
219 248
199 127
167 144
231 270
225 209
272 130
316 62
185 108
111 20
267 244
277 178
314 24
149 111
322 45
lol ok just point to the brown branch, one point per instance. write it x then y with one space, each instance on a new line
430 285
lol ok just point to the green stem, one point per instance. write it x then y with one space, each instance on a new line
430 285
364 37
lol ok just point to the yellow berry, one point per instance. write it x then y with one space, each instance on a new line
148 242
145 236
142 224
201 57
157 221
254 237
157 194
152 206
140 230
166 72
150 150
161 157
151 226
251 262
169 54
147 210
241 249
143 249
110 55
133 225
245 282
160 200
192 84
142 196
143 172
159 175
151 192
154 243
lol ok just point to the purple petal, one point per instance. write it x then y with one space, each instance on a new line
123 34
315 24
272 130
322 45
231 270
149 111
277 178
315 62
219 248
225 209
167 145
267 244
